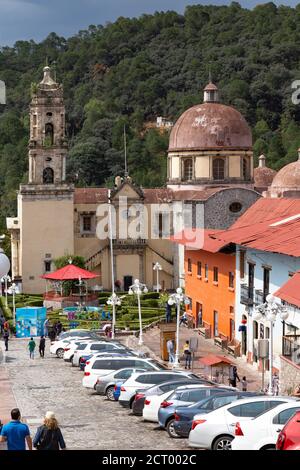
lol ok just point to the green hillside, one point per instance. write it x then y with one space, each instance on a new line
131 71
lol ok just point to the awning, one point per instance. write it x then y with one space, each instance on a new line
70 272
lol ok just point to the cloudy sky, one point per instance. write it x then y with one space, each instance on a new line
35 19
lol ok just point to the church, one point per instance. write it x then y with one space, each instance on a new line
210 170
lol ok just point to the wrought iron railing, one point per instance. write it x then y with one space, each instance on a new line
247 294
291 348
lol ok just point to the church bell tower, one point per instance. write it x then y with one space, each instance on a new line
47 144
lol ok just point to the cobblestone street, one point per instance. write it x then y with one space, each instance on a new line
88 421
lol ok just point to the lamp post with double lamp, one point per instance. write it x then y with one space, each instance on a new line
113 300
157 267
178 299
138 288
14 290
269 312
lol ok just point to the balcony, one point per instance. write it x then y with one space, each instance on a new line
291 348
259 297
246 295
129 242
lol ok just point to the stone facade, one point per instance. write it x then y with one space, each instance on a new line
289 376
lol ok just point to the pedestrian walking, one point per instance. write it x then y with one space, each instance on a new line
46 327
275 384
187 355
183 319
244 384
31 347
170 349
6 325
6 338
233 376
2 321
15 433
42 346
49 436
168 313
58 327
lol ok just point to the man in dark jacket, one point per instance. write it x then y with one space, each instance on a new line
6 337
42 346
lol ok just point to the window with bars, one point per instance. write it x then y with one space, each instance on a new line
231 279
87 223
206 271
199 268
216 274
187 169
218 169
189 265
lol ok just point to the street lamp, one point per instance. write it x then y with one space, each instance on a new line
14 290
137 288
177 299
157 267
6 279
113 300
269 311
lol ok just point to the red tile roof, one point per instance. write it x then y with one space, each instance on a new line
157 195
212 360
198 239
290 291
90 195
269 225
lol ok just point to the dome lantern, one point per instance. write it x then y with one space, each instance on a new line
211 93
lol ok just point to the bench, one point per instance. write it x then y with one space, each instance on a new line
221 341
205 330
234 347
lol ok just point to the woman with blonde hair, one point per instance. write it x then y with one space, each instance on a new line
49 436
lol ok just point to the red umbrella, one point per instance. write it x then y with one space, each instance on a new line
70 272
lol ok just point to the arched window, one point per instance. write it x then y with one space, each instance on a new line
187 169
49 133
246 172
48 176
218 169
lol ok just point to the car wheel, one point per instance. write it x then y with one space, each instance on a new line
268 447
60 353
110 394
171 430
222 443
131 402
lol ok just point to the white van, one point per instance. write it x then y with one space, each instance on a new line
103 366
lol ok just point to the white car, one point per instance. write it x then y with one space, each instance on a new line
72 347
261 433
142 381
216 430
92 347
98 367
58 347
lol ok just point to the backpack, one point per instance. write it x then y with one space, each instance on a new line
48 439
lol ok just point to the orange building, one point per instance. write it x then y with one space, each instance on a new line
210 284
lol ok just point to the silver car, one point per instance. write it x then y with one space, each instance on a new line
91 347
105 385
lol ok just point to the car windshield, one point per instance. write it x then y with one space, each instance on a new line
157 364
213 403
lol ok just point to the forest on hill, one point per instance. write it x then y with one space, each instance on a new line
133 70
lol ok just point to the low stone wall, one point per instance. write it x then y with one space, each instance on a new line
289 376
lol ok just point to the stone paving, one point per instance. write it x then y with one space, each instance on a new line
88 421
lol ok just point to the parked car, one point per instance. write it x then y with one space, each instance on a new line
146 380
90 348
289 437
261 433
84 360
184 415
105 385
185 395
100 366
70 348
80 333
58 347
158 390
215 430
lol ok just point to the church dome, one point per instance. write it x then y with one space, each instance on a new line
288 178
210 125
263 176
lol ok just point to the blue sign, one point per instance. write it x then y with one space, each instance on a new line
30 321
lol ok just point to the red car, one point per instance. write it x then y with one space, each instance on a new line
289 437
